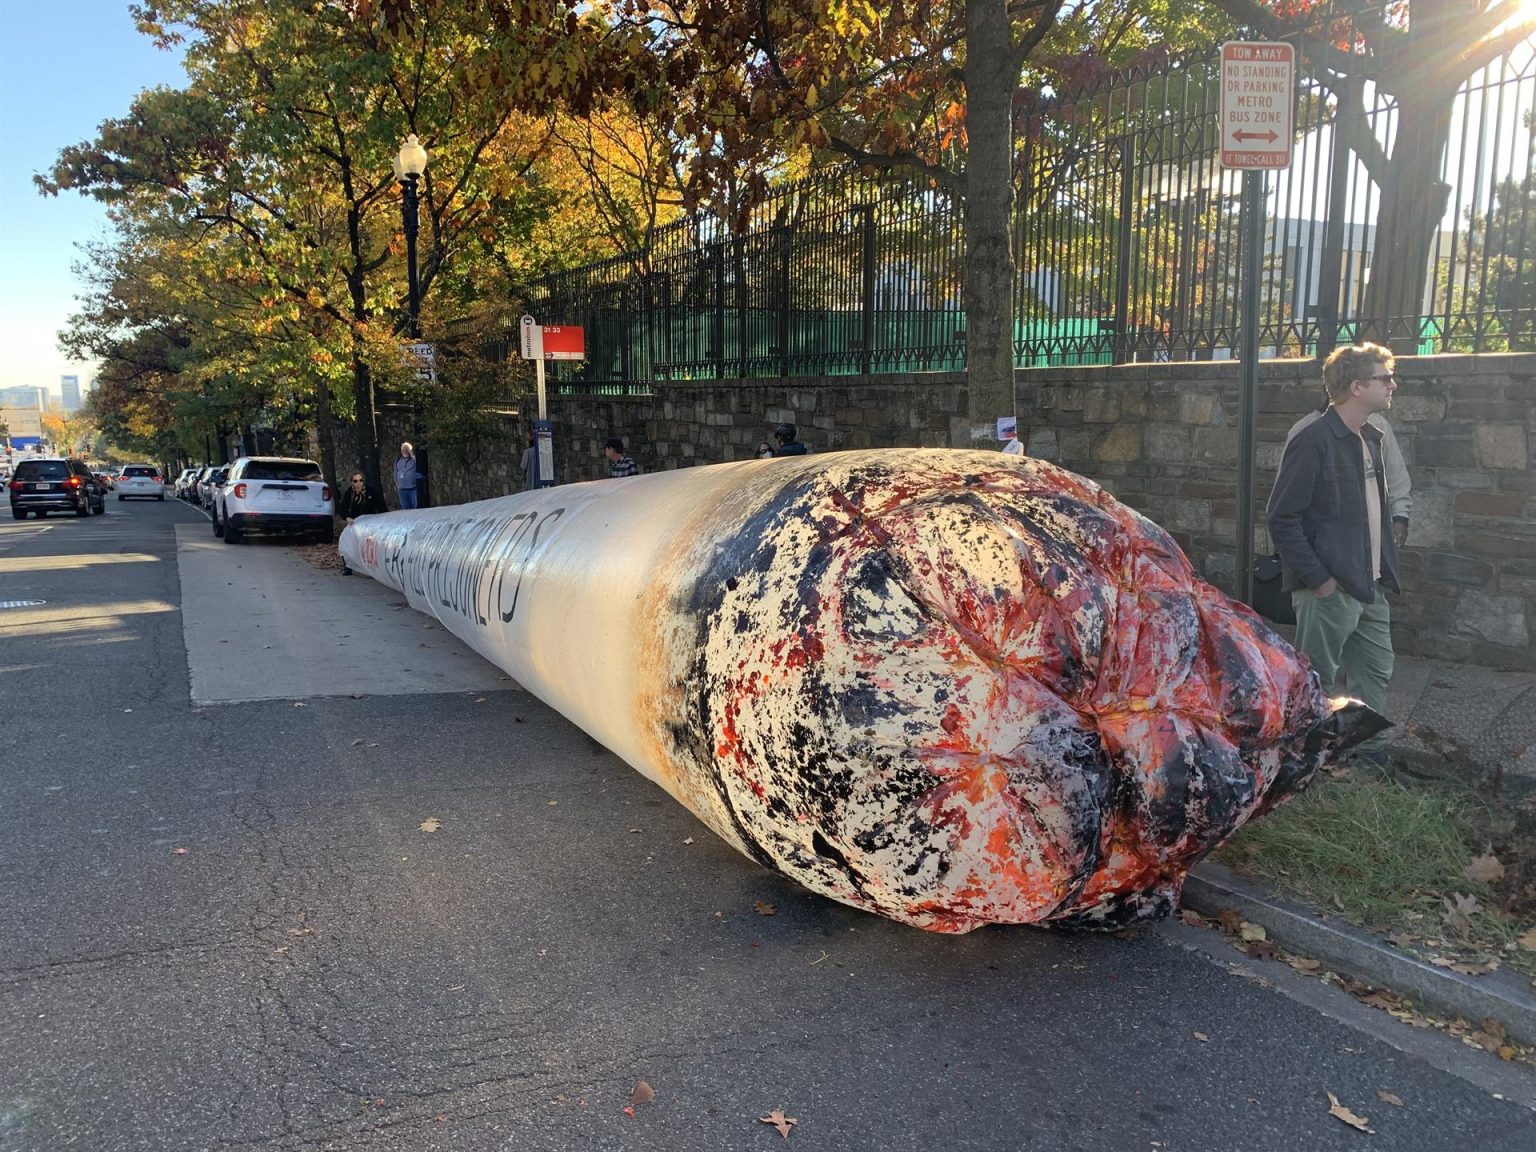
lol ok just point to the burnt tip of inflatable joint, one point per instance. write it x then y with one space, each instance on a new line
1349 723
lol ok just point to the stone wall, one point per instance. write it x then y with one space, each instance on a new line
1163 438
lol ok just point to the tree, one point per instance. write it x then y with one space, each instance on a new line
1418 53
280 151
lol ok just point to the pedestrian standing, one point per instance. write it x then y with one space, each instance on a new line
1326 518
530 463
789 442
358 500
618 463
406 475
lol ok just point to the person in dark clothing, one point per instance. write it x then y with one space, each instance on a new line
789 445
1328 518
357 499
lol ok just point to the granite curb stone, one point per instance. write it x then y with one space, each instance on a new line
1504 996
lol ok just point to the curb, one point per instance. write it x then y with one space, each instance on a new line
1364 956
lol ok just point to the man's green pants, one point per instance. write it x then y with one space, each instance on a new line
1340 634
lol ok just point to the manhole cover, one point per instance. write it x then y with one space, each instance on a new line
21 603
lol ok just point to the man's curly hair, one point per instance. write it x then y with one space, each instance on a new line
1346 365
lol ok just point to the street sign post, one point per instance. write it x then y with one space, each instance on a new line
1257 121
1258 100
424 359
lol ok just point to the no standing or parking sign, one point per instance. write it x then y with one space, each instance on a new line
1258 99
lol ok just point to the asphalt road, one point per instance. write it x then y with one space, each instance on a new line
223 927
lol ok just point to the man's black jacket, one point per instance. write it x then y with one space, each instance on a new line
1317 512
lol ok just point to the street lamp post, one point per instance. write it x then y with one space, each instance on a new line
410 163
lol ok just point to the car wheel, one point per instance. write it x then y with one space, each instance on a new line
41 513
19 513
233 535
325 536
121 498
85 509
218 526
101 507
161 497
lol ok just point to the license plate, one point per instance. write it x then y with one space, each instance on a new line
40 487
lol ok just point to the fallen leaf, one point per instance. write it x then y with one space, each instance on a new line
1506 1052
643 1093
300 704
629 1109
1250 931
1484 870
178 851
430 824
479 699
688 840
127 710
1230 920
543 951
1401 939
1344 1114
634 829
1202 1037
1388 1098
1304 963
780 1121
1193 919
358 743
1260 949
765 909
1527 940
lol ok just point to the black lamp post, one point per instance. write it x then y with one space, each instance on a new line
410 163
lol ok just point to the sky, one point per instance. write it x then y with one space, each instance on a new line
65 66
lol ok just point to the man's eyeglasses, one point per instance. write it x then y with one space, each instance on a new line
1392 376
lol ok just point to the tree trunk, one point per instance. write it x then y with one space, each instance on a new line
989 85
1413 199
325 433
366 421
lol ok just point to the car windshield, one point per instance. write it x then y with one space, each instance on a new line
299 470
133 470
42 470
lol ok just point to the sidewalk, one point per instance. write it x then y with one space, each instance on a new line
1485 719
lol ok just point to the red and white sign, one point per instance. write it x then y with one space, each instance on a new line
564 342
1258 101
552 341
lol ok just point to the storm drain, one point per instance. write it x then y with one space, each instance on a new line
21 603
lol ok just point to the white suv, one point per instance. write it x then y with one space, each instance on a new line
140 480
272 496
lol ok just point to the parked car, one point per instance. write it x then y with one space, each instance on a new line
140 480
194 482
274 496
208 486
179 489
44 485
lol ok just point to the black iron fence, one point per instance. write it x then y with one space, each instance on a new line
1126 243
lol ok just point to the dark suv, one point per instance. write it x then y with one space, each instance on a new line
44 486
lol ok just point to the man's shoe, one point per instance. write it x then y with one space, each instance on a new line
345 571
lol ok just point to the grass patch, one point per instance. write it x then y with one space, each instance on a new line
1390 856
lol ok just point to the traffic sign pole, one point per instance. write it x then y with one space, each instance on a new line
1258 100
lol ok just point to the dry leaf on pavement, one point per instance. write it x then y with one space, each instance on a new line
1484 870
1230 920
1388 1098
643 1093
358 743
1344 1114
1202 1037
764 908
1304 964
780 1121
1250 931
431 824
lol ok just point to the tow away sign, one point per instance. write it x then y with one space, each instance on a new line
1258 100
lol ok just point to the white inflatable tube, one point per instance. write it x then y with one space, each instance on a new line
953 688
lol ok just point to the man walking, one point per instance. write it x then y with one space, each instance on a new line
618 463
406 475
1399 483
1328 516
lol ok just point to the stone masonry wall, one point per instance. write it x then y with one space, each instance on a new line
1163 438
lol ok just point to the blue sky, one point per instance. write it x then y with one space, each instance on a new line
65 66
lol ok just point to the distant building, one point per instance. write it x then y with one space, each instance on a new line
69 389
25 396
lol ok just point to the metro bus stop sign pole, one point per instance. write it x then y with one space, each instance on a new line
1258 99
